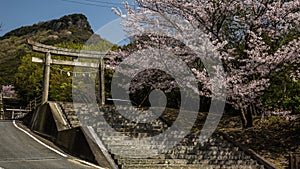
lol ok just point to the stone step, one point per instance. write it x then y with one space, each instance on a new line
190 166
203 157
222 157
141 147
152 161
221 153
75 123
137 152
232 162
102 133
115 143
135 143
124 138
184 161
72 118
131 128
160 156
108 134
129 123
163 166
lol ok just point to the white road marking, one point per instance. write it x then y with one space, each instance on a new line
37 140
54 150
88 163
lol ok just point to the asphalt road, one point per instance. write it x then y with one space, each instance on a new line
19 151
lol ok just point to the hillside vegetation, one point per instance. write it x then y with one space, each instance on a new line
71 31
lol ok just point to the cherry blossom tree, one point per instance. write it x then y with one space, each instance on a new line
8 91
254 38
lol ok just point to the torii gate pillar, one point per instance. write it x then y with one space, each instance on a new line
46 77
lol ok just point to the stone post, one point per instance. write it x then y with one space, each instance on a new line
102 83
1 107
46 78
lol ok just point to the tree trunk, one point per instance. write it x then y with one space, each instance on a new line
253 110
243 118
246 118
249 118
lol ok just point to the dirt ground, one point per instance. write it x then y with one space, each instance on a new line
271 137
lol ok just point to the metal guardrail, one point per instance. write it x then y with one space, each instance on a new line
294 161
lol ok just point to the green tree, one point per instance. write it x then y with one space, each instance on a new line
283 93
29 77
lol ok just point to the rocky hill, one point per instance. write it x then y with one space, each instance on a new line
69 29
76 23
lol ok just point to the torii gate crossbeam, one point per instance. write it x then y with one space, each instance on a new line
70 53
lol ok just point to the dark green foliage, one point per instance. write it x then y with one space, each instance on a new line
29 77
283 93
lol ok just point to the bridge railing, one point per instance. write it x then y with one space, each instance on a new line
33 104
12 112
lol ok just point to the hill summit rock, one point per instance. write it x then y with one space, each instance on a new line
73 22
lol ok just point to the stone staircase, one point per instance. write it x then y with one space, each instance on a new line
70 114
129 152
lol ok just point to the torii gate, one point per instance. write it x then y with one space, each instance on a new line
48 50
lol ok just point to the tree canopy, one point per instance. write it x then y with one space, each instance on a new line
256 42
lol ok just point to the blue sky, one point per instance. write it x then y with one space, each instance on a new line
17 13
